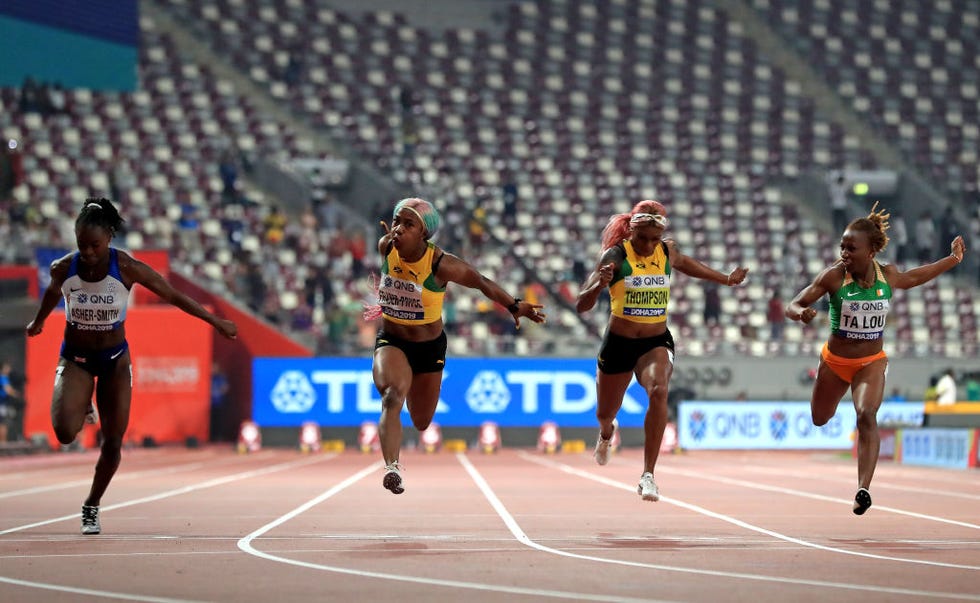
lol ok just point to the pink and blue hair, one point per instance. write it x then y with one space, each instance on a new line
619 226
425 212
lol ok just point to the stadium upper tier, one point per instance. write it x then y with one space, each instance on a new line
586 107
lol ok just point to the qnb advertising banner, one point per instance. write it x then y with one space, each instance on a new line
932 447
171 355
512 392
778 425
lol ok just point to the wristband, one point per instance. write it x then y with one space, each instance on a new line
514 307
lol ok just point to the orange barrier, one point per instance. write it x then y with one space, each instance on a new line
171 354
255 338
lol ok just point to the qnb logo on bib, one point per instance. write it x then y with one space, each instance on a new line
863 319
400 298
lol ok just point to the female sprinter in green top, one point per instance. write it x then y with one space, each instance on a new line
860 291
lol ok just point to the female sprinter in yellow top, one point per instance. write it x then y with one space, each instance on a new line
410 350
636 264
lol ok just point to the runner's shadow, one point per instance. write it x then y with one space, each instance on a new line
614 541
390 549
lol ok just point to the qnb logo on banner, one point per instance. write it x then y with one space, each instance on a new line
167 373
510 392
774 425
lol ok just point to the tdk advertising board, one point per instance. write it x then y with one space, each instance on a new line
513 392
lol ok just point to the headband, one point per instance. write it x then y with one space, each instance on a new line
424 211
642 218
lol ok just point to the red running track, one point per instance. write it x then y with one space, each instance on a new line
211 525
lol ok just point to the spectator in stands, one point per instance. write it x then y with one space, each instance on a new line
220 386
712 303
9 401
410 349
57 99
946 393
94 283
896 396
318 282
30 97
636 265
11 170
295 66
357 246
859 289
899 237
838 201
948 227
274 225
509 191
406 99
478 228
775 316
228 170
925 235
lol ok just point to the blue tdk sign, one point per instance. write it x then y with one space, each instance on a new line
514 392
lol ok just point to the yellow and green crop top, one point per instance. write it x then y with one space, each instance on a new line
858 313
408 293
641 289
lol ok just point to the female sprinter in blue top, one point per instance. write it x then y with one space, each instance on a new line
95 282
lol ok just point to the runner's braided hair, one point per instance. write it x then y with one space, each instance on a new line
874 225
99 212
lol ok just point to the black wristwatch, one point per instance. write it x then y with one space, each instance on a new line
514 307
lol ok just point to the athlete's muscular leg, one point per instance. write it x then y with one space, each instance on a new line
114 394
867 389
73 387
393 379
423 397
828 389
653 371
610 389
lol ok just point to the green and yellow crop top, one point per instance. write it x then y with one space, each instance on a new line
408 293
858 313
641 289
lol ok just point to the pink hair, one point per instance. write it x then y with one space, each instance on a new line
618 227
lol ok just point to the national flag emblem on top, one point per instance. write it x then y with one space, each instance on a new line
880 292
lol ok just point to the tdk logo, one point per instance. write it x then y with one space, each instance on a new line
488 393
293 393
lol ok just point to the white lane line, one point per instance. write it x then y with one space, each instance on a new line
120 477
748 526
738 575
178 491
70 462
245 544
879 481
102 594
810 495
162 495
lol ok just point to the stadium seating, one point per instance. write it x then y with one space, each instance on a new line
591 107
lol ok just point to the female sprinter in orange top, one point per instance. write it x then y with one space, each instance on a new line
636 264
95 282
860 289
410 350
